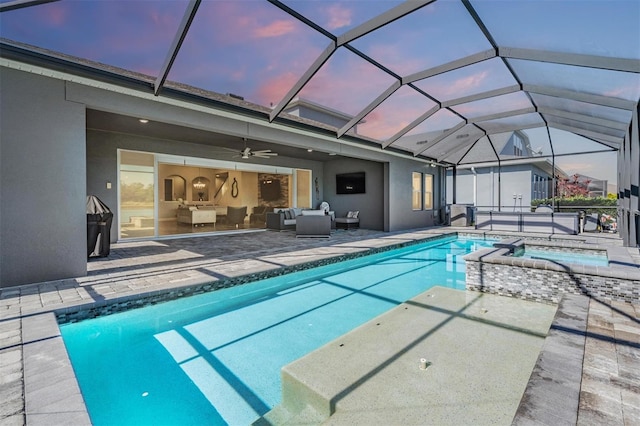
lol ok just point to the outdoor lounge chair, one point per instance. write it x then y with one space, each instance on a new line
591 222
352 220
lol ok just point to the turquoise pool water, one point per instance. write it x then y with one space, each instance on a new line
215 358
565 257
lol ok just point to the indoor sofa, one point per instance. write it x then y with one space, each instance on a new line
196 216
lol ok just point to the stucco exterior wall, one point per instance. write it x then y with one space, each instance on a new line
42 195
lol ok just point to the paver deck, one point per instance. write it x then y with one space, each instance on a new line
37 385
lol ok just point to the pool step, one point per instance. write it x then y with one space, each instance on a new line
479 350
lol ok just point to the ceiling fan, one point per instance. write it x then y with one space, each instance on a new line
261 153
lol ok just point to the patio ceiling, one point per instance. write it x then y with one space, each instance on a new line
442 79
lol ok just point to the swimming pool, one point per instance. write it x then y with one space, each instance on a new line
215 358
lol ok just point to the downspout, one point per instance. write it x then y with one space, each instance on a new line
493 189
553 172
499 186
454 175
475 187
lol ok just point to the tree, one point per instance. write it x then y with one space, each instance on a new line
572 187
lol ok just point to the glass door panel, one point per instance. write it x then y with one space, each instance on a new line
137 195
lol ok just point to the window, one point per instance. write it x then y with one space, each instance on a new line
428 192
416 179
539 187
518 145
422 186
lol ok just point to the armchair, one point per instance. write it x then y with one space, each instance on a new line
351 220
236 215
258 215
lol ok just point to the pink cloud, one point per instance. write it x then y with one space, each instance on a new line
230 23
394 114
275 29
467 84
346 84
55 14
339 16
273 90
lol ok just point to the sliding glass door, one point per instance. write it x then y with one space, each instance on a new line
162 195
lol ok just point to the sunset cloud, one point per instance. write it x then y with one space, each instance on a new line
338 16
275 29
467 84
56 15
274 89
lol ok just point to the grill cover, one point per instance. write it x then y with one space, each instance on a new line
99 218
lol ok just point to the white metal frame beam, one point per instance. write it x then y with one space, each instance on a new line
600 122
507 129
19 4
581 97
377 101
304 79
505 114
480 96
574 59
450 66
411 126
181 33
444 135
381 20
607 140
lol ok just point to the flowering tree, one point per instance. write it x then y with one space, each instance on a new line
572 187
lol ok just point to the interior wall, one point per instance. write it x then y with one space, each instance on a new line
43 193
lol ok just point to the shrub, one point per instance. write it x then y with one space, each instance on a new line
600 205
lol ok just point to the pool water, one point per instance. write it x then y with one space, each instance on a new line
215 358
566 257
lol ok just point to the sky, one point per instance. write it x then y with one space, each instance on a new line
255 50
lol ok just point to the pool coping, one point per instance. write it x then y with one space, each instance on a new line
51 392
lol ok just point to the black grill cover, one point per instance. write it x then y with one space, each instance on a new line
99 218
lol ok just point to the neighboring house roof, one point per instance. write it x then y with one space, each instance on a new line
300 103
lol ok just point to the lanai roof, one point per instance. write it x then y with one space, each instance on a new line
443 79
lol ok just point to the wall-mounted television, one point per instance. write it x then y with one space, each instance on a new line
350 183
270 189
